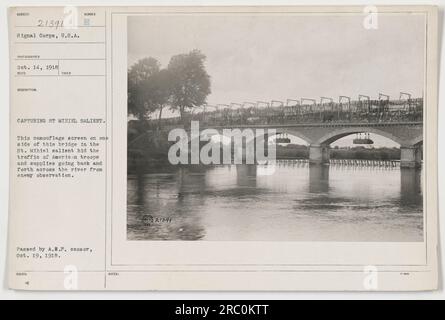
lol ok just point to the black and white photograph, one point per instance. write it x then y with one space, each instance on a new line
338 98
246 151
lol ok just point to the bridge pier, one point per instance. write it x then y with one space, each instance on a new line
410 157
318 154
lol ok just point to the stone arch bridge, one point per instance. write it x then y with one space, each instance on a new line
409 135
318 124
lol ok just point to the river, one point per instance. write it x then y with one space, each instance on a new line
289 201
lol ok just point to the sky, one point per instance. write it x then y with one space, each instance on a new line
264 57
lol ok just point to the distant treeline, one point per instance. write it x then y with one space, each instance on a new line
362 153
293 151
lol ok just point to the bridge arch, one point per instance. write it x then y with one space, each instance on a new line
333 136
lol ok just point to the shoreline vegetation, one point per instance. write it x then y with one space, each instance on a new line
296 151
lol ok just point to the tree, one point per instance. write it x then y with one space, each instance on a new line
156 91
190 81
138 75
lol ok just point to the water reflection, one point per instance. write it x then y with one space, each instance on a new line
157 210
318 179
410 187
246 175
295 203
